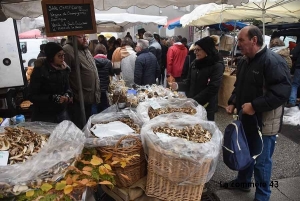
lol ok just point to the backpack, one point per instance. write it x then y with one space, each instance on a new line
236 154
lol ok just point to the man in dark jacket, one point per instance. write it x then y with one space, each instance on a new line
154 46
262 87
146 66
42 52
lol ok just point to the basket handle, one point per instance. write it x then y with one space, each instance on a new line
126 137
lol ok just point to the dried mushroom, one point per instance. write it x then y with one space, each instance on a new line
21 143
192 133
156 112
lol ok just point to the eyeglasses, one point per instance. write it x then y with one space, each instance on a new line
197 49
61 56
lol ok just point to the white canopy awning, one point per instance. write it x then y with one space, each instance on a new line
265 10
18 9
108 22
271 10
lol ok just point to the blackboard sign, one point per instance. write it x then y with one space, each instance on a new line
69 17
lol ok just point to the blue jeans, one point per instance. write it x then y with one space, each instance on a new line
262 167
295 85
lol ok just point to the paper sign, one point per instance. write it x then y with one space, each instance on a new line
3 158
155 105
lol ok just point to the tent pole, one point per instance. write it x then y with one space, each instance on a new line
231 63
263 17
78 77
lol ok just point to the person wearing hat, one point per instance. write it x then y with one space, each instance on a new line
141 33
49 89
204 76
154 47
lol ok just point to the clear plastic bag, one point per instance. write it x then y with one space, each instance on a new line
108 116
291 116
143 108
45 128
177 159
64 145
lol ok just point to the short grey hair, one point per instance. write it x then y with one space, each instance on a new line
148 35
175 39
144 44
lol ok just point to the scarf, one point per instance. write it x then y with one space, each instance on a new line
116 58
100 56
121 53
206 61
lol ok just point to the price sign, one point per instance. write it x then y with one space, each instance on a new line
69 17
3 158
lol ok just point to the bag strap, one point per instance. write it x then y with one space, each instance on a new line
259 132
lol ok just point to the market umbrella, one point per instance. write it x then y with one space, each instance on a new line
266 10
227 26
35 33
17 9
107 22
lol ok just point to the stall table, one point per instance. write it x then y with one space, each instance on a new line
226 89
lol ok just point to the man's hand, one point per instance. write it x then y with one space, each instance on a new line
174 86
63 99
230 109
248 109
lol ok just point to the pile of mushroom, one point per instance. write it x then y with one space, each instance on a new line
155 112
21 143
192 133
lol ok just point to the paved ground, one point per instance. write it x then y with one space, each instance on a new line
286 166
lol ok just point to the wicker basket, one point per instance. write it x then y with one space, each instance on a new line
135 169
163 189
181 170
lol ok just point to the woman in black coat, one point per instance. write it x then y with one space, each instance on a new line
204 76
49 89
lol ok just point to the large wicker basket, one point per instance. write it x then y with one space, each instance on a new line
171 177
163 189
135 169
177 169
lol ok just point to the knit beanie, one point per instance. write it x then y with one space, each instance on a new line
51 49
208 45
148 36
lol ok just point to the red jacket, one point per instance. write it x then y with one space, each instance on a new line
175 59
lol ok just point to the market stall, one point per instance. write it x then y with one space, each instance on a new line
226 89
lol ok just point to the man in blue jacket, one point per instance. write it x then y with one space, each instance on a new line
262 87
146 66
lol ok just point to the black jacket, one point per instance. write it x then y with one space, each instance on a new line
264 81
203 82
104 67
45 82
187 63
157 53
296 55
146 68
164 51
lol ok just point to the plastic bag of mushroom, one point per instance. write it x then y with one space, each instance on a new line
47 159
181 143
126 117
151 109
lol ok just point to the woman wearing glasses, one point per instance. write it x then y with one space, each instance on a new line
204 76
49 89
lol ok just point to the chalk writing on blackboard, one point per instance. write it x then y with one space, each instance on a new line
66 17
